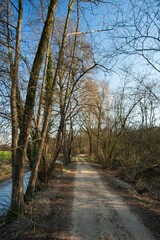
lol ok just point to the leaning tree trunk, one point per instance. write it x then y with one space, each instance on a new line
17 198
32 182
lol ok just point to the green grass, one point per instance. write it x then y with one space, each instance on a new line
5 155
5 165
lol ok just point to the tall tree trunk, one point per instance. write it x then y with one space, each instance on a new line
16 183
41 100
65 144
34 174
70 141
44 164
98 135
90 145
57 148
17 192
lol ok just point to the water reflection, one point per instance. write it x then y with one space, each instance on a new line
5 193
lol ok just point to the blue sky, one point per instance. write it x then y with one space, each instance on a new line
93 17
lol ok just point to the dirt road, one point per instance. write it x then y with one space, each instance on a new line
82 203
100 214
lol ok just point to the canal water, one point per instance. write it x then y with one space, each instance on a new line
5 192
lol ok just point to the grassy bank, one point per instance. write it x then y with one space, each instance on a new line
5 165
5 156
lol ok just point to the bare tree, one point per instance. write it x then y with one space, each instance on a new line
138 32
19 143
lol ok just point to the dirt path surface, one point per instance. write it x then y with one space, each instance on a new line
82 203
100 214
